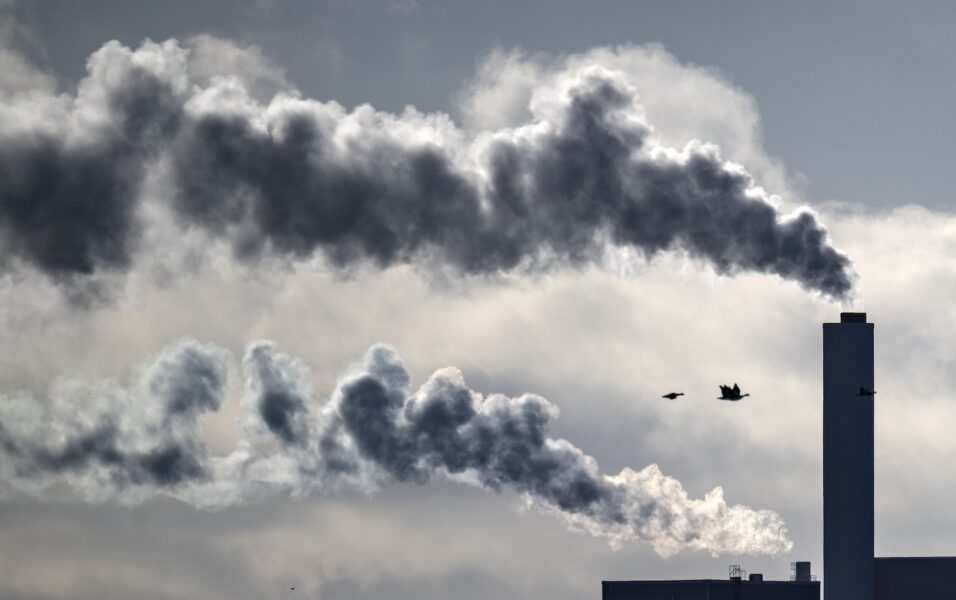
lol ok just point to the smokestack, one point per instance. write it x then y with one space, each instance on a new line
848 458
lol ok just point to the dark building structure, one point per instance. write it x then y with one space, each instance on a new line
931 578
710 589
848 458
850 570
801 586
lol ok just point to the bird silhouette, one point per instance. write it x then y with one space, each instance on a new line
866 392
672 395
731 393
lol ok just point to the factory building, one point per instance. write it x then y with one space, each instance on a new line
801 586
709 589
922 578
850 570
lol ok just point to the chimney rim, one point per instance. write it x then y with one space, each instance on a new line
852 317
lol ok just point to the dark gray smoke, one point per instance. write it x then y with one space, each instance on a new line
143 439
70 175
279 397
105 439
298 178
447 427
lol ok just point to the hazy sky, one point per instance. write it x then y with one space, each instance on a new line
552 217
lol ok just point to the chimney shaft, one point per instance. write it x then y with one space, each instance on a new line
847 459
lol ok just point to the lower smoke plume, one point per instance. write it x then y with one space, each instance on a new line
143 439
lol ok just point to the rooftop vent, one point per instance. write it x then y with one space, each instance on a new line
800 571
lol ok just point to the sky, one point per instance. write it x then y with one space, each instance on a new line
380 298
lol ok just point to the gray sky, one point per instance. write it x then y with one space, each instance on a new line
846 109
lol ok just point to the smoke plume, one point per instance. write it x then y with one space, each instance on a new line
144 438
294 179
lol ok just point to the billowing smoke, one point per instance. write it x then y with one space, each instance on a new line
145 438
71 168
296 179
106 438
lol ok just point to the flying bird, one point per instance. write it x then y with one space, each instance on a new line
672 395
866 392
731 393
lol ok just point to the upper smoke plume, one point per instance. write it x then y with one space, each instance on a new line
143 439
296 178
